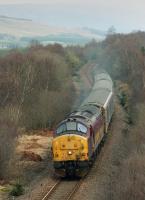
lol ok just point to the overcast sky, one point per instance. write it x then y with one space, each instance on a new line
125 15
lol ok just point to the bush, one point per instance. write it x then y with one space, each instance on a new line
17 190
124 95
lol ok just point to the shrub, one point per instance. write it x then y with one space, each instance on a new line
17 190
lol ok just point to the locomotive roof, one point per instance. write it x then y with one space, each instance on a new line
86 111
85 114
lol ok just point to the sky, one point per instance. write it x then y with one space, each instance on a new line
124 15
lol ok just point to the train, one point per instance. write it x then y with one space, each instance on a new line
78 138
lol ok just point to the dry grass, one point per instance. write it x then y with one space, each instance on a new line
30 157
132 179
37 144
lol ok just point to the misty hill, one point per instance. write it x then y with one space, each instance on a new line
22 31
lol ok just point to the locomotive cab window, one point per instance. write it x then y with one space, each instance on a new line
81 128
61 129
71 126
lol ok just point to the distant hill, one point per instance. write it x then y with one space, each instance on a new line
14 18
19 31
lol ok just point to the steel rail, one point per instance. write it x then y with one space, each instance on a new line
53 188
73 192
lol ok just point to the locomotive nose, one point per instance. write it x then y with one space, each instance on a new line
70 147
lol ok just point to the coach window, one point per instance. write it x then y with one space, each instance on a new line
71 126
81 128
61 129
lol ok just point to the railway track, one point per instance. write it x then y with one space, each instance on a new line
63 189
67 189
51 189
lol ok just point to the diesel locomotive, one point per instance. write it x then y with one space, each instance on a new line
77 139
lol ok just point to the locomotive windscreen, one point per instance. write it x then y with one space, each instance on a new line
71 126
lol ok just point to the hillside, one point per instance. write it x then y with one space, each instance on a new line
20 32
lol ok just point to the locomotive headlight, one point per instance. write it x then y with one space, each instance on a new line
69 152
